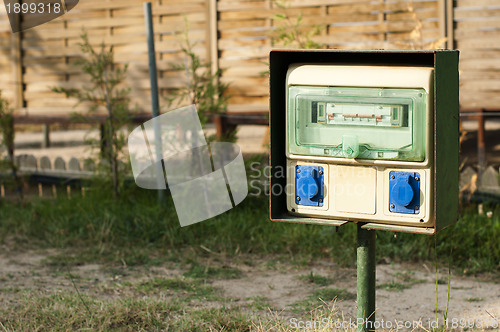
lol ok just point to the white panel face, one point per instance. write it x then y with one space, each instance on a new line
354 189
391 184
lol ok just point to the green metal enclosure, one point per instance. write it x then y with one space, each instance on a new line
445 139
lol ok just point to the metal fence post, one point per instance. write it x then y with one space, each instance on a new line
154 93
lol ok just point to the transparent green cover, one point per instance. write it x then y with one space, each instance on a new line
364 123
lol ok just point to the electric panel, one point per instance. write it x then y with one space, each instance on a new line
364 142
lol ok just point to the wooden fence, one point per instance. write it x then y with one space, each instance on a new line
236 36
477 34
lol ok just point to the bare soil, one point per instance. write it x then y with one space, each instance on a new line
278 283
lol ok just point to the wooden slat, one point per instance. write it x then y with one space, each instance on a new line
246 53
331 19
480 100
475 3
239 6
245 71
485 43
486 23
473 34
471 75
225 44
480 53
481 87
242 24
478 14
481 64
369 7
251 14
422 15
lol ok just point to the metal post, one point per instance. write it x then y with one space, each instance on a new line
481 149
154 93
46 136
366 279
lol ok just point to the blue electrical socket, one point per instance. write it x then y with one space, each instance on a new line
404 192
309 185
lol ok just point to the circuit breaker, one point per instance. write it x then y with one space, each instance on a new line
372 141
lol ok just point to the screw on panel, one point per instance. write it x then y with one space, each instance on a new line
393 177
298 170
392 206
320 172
417 207
320 200
417 178
420 94
298 198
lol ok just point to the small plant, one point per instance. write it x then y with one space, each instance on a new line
203 88
177 285
8 135
475 299
394 286
316 279
416 41
205 272
259 302
321 297
408 277
291 31
104 91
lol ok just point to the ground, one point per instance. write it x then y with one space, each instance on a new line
260 287
264 288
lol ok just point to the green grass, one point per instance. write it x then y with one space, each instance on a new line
394 286
192 288
205 272
470 243
316 279
65 311
259 302
213 319
136 230
475 299
408 277
321 297
405 280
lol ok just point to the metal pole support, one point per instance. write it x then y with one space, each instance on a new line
366 266
46 136
481 149
153 75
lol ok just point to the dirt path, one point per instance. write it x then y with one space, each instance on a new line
405 293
